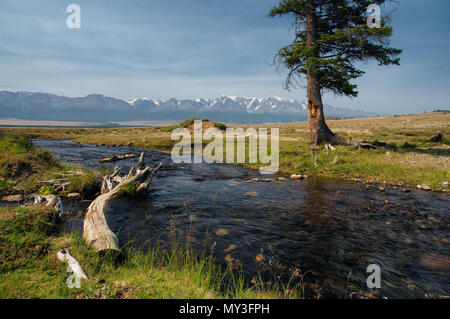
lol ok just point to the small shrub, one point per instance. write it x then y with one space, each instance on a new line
47 190
220 126
3 184
188 122
129 189
167 128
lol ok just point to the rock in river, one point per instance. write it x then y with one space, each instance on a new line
252 194
230 248
221 232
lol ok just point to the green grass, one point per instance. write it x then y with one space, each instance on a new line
411 162
88 184
369 165
23 166
19 157
128 190
46 190
29 241
187 123
24 236
4 186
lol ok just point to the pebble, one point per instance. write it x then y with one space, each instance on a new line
73 195
13 198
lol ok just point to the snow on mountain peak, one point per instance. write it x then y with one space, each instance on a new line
132 101
231 103
277 98
231 108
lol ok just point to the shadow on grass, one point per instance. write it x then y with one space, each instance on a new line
432 151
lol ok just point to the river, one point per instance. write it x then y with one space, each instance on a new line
331 227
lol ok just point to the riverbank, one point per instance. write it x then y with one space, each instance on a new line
30 237
410 162
332 228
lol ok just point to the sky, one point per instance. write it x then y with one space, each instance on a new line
205 48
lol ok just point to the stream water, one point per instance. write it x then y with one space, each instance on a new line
332 228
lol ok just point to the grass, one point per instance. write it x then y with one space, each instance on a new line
412 161
128 189
19 157
23 167
46 190
30 237
88 184
29 241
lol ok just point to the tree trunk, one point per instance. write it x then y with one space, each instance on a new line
318 129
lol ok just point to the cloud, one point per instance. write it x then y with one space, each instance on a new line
192 48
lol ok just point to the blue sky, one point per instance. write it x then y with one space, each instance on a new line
204 48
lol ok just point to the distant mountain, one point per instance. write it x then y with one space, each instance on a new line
100 108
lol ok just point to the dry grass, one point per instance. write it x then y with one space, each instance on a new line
413 162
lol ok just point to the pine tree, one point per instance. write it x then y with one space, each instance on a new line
330 36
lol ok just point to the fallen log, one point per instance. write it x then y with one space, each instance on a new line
96 231
115 158
436 139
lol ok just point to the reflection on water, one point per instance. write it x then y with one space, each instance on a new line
335 229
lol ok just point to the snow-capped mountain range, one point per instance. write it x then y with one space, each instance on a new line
271 105
96 107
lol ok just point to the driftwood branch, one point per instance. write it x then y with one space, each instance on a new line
96 230
50 201
74 265
339 140
115 158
